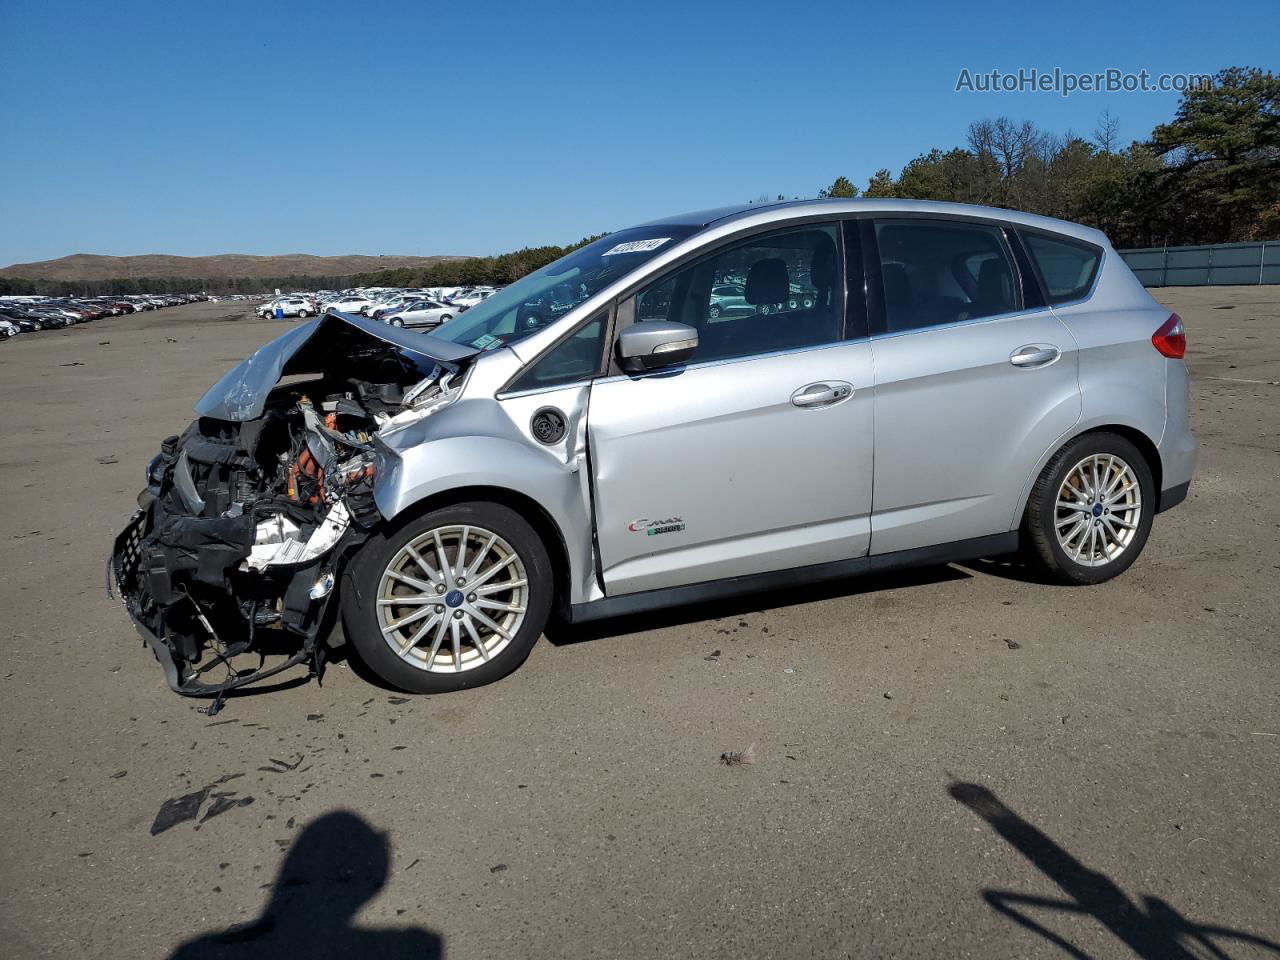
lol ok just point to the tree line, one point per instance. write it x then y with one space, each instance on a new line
1209 175
502 269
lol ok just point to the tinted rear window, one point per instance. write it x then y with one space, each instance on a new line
937 272
1066 266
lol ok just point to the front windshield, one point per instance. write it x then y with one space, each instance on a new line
544 296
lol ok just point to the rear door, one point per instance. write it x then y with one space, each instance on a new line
756 455
976 380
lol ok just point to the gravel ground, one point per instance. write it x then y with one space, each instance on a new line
955 762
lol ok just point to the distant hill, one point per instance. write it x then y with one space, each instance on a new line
90 266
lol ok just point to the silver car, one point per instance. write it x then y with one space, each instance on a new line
956 382
420 313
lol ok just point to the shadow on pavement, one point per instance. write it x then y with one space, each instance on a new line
337 865
1153 930
560 633
1011 567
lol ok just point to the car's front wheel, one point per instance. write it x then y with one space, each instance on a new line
455 598
397 322
1089 514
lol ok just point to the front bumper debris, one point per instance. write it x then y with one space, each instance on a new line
251 514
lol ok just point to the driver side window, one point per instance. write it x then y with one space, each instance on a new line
777 291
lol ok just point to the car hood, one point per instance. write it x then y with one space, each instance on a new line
314 347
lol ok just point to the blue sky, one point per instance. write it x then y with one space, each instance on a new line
417 128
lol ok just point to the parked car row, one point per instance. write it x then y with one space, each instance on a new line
425 307
32 314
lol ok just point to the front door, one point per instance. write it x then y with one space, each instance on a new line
757 455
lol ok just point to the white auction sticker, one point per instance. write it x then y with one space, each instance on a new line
636 246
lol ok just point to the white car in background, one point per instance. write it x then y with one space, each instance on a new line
8 330
351 303
288 306
471 298
420 313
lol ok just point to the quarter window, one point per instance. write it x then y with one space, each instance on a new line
1066 266
575 358
777 291
937 272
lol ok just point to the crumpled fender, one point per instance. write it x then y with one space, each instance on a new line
415 472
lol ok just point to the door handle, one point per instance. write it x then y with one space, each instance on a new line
1035 355
822 394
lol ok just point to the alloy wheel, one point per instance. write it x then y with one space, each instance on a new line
452 599
1098 510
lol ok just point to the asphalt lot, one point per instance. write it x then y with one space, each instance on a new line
955 762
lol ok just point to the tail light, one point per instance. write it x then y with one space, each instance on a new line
1171 339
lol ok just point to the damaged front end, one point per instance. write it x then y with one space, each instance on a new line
249 515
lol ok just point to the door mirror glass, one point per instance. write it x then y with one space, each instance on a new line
653 344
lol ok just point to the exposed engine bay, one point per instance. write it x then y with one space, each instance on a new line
249 514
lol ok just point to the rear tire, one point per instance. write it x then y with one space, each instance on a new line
423 630
1089 513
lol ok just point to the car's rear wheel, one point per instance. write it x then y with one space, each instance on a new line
303 314
455 598
1089 514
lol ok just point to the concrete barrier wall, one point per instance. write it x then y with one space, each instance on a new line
1211 265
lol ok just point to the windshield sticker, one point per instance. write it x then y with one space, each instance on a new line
483 343
636 246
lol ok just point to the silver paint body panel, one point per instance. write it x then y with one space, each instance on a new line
757 483
959 427
940 439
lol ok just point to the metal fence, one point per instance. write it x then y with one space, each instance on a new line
1212 265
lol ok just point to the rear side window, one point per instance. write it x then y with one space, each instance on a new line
1066 266
937 272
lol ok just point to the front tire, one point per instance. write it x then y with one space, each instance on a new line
1090 511
397 322
452 599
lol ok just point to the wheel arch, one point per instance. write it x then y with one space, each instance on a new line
544 525
1146 446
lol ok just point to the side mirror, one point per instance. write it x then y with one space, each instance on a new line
653 344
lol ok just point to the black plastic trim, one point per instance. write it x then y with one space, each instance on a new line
856 324
631 603
872 276
1173 496
1034 294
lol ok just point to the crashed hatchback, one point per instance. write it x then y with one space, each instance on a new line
899 383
